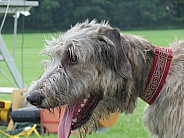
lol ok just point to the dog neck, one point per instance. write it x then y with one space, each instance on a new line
158 74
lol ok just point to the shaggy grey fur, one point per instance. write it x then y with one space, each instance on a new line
96 59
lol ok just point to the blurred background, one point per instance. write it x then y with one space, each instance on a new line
59 15
23 37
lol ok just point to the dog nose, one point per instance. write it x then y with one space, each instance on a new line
34 99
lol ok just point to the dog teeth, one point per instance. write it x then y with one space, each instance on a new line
82 105
74 120
85 100
79 110
88 96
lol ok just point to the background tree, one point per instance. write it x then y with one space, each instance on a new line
135 14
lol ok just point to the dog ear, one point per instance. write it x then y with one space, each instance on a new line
121 63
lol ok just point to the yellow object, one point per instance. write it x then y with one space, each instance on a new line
4 115
110 121
27 132
5 105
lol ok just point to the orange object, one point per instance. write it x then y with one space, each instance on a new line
110 121
51 120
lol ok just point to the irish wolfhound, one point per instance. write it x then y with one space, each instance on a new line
95 70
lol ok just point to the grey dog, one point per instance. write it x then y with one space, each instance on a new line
95 70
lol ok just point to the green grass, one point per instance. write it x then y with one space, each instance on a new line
160 37
127 126
34 43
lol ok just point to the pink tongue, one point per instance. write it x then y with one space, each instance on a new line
64 128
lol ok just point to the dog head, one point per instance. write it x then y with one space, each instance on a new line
89 72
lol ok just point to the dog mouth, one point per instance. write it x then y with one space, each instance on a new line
77 115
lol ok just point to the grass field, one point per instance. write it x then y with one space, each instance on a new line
127 126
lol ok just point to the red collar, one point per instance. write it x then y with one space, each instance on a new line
158 74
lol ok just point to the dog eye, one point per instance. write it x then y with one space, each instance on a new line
41 87
73 60
60 66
